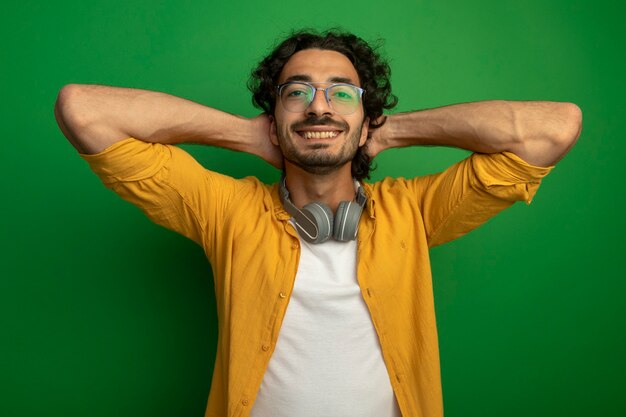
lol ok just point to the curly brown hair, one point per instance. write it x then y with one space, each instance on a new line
373 71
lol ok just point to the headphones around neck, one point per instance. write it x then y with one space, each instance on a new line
315 222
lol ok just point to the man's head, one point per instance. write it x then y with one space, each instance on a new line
324 59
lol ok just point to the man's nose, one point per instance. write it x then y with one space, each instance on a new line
319 105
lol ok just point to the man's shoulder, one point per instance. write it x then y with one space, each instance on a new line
251 190
391 190
389 184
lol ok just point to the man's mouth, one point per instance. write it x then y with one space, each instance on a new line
319 134
319 128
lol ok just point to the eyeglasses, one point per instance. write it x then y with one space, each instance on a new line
296 96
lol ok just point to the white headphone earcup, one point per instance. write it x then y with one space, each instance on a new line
323 217
347 221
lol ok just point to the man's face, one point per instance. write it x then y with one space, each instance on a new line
317 139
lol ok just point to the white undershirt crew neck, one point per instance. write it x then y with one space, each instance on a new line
327 361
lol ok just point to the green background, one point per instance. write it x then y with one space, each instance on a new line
104 314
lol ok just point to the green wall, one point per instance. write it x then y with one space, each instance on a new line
104 314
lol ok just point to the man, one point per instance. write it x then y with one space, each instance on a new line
317 319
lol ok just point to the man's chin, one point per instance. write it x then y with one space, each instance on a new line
317 167
316 146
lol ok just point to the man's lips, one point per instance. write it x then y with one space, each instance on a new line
321 128
325 133
319 131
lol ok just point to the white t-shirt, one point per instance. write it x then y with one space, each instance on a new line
327 361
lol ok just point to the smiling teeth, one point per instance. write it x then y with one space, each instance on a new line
320 135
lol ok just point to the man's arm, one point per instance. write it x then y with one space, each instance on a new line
539 132
95 117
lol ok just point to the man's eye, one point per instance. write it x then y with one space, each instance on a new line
296 93
343 95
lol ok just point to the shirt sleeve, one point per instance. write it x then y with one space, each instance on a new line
471 191
168 185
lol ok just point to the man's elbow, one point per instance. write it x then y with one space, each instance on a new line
564 132
571 125
69 113
555 130
79 122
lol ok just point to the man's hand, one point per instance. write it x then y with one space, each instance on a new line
261 145
376 143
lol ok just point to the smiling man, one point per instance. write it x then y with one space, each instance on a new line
319 144
323 282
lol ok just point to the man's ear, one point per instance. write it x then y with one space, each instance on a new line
364 131
273 134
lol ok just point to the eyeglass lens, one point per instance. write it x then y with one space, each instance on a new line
343 98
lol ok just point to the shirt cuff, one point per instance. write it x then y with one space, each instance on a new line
128 160
508 176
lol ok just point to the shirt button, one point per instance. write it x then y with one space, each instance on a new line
294 246
245 401
265 347
282 295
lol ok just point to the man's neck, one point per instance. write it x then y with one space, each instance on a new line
330 189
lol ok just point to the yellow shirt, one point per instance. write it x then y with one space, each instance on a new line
254 253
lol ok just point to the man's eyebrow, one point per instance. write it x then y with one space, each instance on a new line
307 78
298 77
344 80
